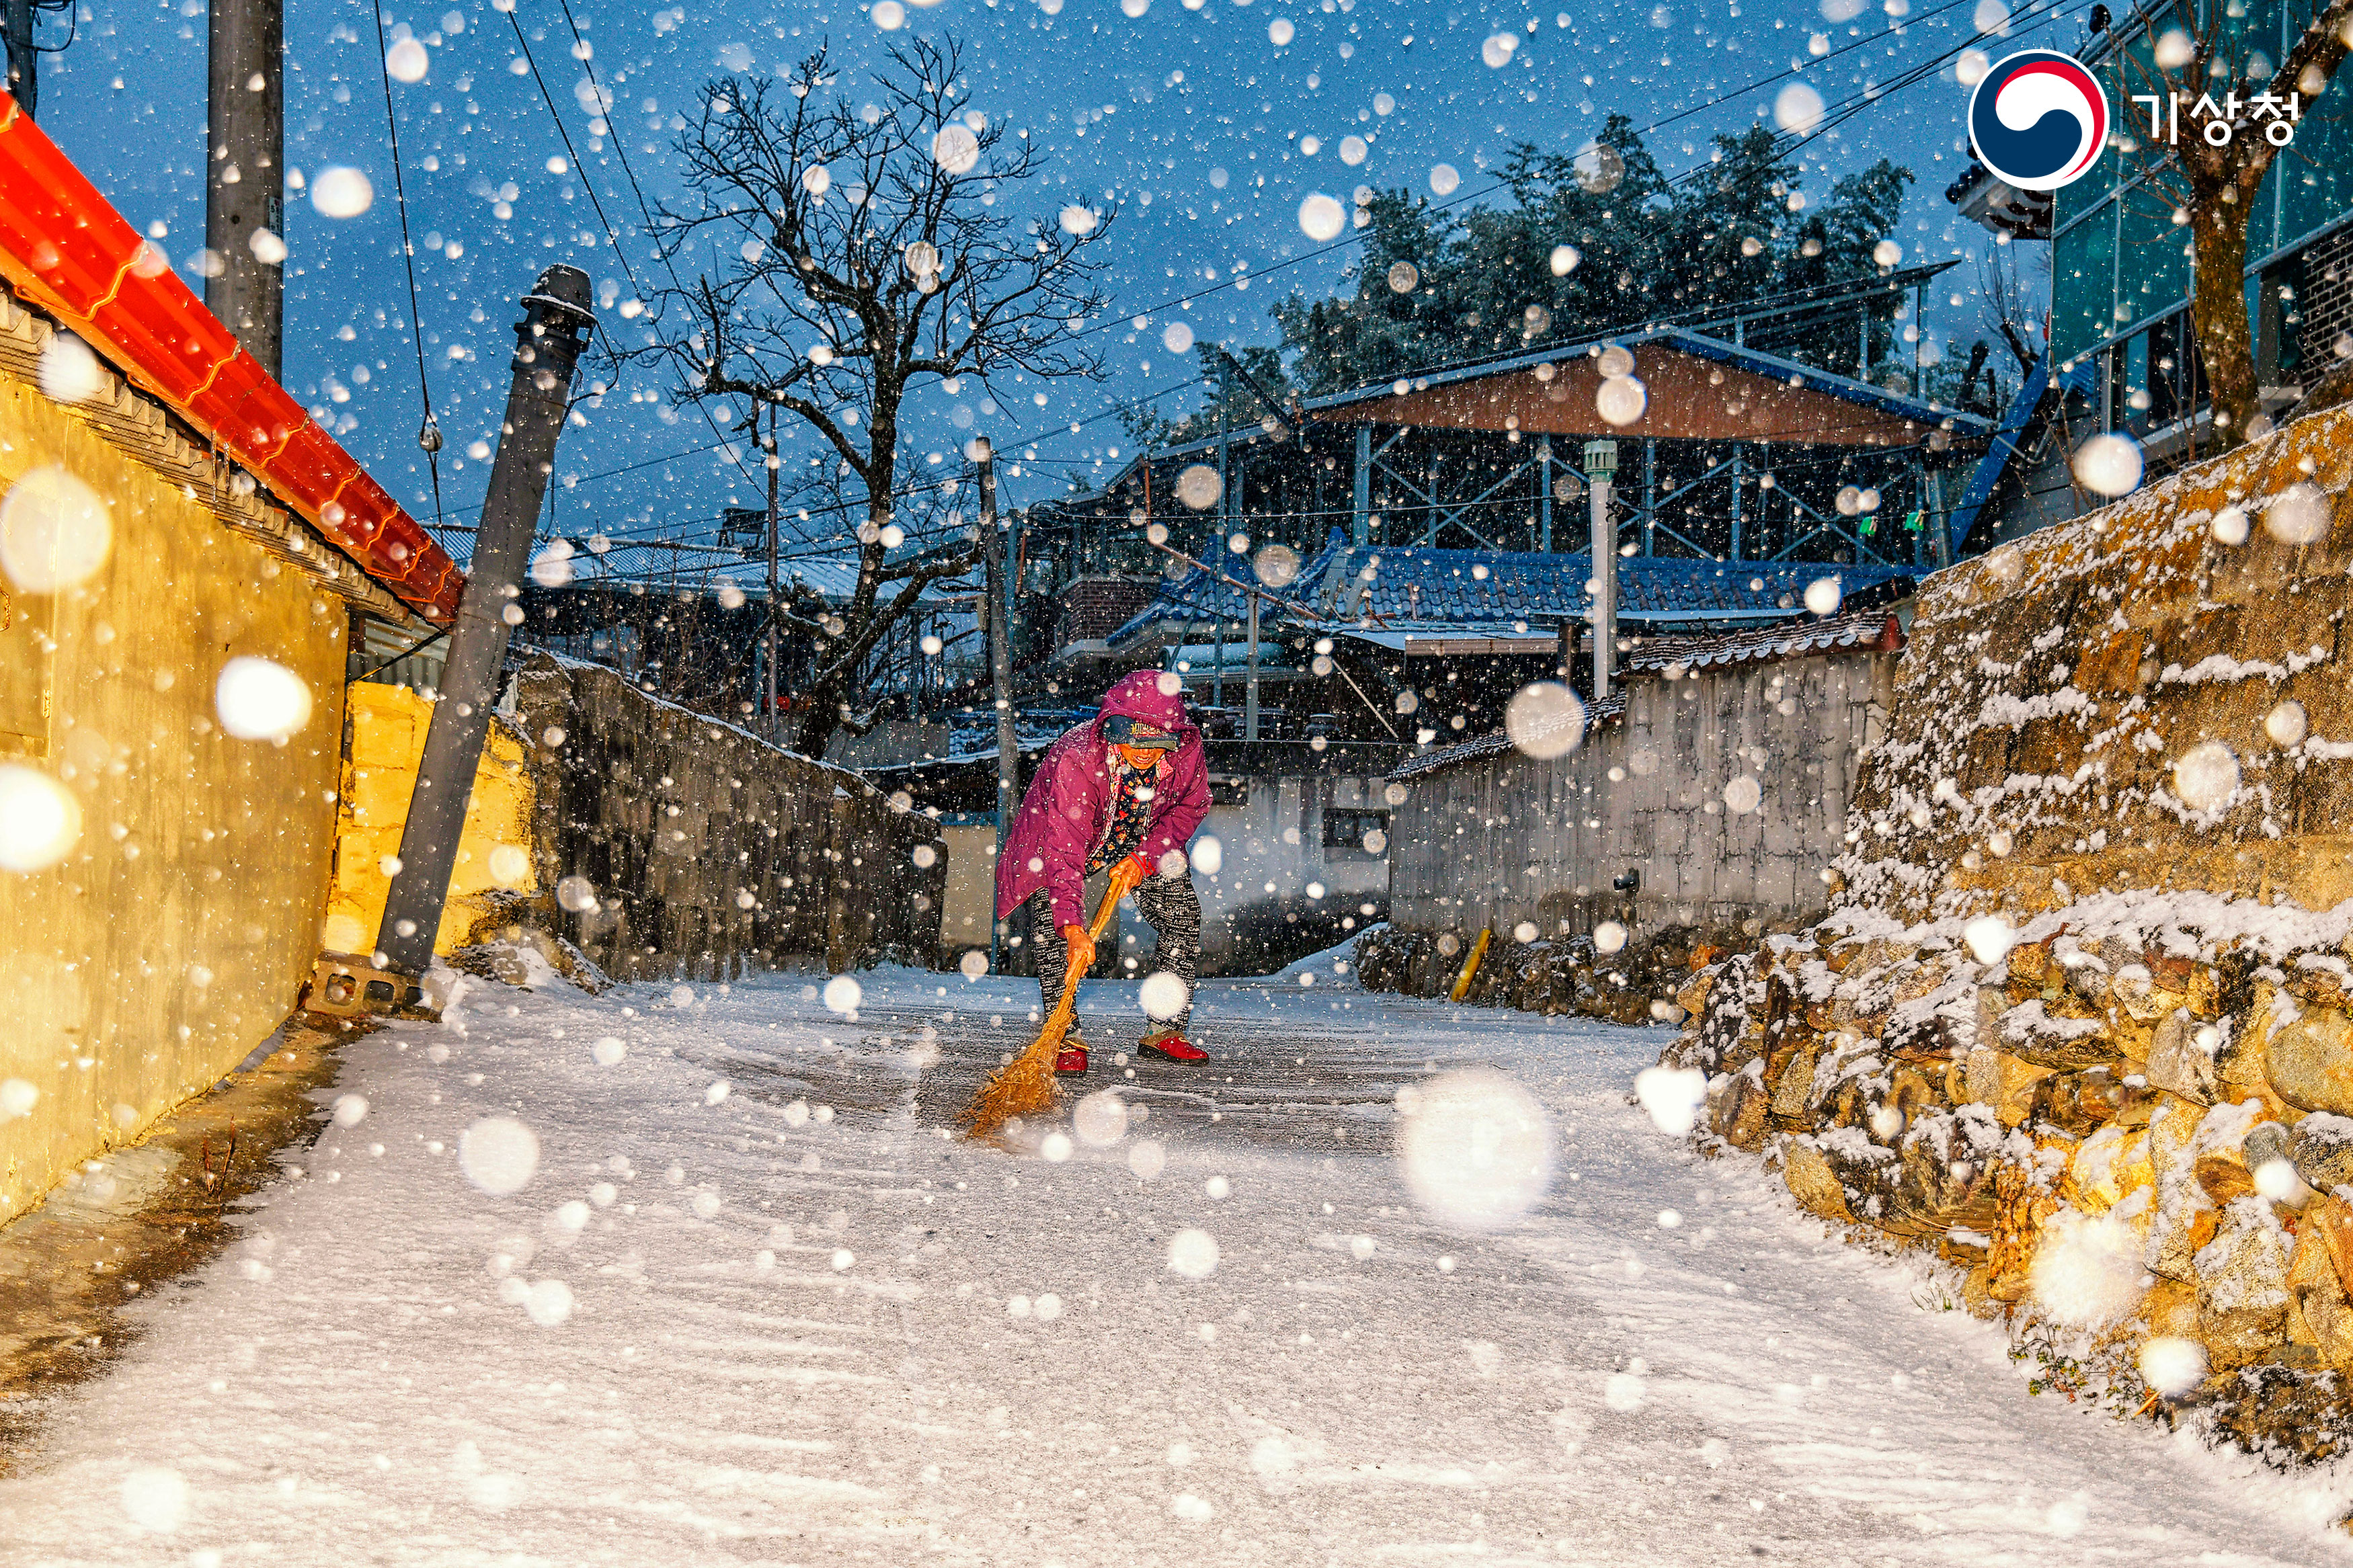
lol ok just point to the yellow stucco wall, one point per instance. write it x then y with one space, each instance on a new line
494 854
174 935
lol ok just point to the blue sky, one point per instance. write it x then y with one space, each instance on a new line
1191 122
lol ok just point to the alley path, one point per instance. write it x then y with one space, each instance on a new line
754 1306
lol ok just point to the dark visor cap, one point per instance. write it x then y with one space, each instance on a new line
1126 730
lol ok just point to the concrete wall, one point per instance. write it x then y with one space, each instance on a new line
968 900
384 739
1506 840
1270 829
174 936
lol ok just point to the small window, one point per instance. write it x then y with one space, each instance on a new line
1347 830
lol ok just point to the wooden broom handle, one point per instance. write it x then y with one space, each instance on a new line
1124 881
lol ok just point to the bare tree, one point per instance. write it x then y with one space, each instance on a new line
854 252
2215 100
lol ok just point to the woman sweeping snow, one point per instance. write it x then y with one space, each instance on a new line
1132 784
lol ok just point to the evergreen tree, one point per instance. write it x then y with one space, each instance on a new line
1640 249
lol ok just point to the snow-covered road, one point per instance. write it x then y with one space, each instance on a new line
754 1306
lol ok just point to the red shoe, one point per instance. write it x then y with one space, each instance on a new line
1070 1061
1171 1045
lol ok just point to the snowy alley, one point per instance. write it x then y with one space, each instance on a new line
752 1305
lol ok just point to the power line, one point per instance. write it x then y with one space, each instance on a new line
612 233
428 435
1795 140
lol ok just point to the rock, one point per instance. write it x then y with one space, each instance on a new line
2136 992
1793 1089
1812 1180
2242 1296
2185 1219
1693 998
2310 1062
2266 1141
2329 1219
2181 1063
2107 1167
2321 1150
2077 1103
2022 1206
2320 1305
2217 1151
1977 1294
1737 1111
2170 1309
2029 968
2004 1082
1940 1182
2065 1042
2285 1414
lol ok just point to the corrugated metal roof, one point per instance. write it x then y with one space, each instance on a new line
1363 402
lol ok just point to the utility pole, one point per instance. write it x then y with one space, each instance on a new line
776 462
557 320
23 64
1250 691
1000 656
245 169
1544 494
1600 468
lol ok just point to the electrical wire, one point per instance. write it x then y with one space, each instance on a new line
428 434
1832 116
612 234
645 208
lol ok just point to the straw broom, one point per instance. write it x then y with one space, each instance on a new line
1025 1087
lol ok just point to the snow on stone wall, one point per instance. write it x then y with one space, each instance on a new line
2079 1017
704 849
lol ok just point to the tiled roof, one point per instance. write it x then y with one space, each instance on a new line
1412 589
1610 707
1869 631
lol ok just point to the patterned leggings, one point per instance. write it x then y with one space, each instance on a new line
1169 906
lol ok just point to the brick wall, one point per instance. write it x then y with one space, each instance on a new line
1094 607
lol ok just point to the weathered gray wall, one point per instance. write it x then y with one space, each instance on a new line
1270 829
674 818
1504 839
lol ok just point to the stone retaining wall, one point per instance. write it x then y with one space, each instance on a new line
2081 1017
706 849
1629 986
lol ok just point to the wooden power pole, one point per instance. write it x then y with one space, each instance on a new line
557 320
998 593
24 63
245 169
